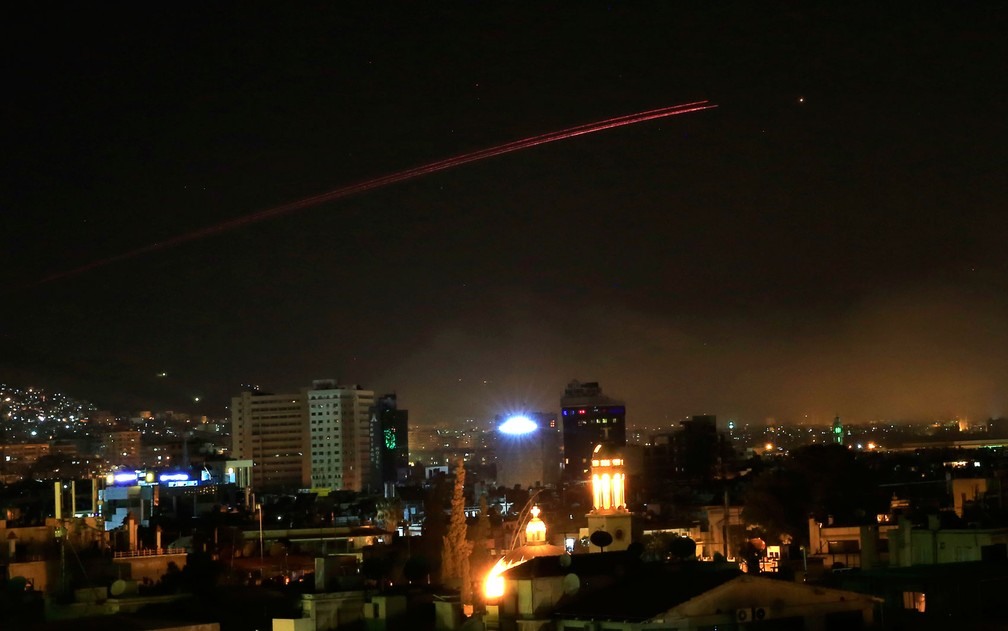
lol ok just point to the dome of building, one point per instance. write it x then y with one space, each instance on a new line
535 546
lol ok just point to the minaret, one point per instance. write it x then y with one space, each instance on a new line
837 431
609 512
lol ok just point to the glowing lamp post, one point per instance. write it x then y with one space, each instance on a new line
262 550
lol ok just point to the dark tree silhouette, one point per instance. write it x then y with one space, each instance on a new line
815 481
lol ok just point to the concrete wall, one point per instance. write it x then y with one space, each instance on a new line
149 567
293 624
923 546
329 611
538 596
967 490
43 575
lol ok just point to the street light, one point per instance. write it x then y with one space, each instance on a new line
262 553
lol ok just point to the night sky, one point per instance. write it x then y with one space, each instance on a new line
829 240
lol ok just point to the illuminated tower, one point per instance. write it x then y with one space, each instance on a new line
339 433
609 511
837 431
271 430
389 441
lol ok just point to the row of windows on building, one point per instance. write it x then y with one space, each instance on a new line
596 421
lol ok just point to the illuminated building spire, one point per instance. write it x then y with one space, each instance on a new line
608 479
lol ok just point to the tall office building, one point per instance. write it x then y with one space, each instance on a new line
390 440
589 418
340 439
316 438
271 430
695 452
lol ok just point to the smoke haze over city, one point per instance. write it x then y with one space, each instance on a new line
829 240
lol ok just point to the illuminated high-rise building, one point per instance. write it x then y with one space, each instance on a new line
271 430
588 418
339 434
122 448
317 438
389 441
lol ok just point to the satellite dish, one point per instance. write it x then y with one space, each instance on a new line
600 538
565 560
571 584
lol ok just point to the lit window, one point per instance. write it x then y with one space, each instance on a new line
914 601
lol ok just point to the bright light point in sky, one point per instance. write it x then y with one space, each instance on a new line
518 425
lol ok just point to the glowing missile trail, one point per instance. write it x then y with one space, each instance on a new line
385 180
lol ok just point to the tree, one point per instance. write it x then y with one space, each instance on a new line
682 549
434 499
389 513
479 560
816 481
778 502
457 548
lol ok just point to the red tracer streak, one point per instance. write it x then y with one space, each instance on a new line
392 178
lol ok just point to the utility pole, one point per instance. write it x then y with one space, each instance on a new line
727 507
262 550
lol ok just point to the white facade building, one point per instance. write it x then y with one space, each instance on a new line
340 435
318 438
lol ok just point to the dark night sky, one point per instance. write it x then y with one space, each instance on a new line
829 240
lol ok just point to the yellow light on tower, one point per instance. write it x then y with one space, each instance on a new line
608 479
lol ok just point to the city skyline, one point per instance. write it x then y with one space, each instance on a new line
827 241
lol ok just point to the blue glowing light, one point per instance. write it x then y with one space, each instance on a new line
518 425
173 477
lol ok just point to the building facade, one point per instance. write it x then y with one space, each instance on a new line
271 430
588 418
122 448
339 435
389 440
317 438
528 455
